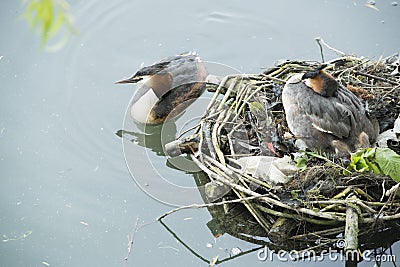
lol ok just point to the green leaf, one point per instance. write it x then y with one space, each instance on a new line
370 153
361 165
56 26
358 163
388 162
301 163
373 167
378 160
49 17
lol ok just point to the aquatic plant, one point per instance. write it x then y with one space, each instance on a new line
50 18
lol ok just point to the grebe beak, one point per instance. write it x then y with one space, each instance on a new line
133 79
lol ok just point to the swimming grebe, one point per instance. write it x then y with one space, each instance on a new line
167 87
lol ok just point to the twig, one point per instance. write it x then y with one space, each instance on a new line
227 94
215 140
131 239
183 243
324 158
296 216
336 202
392 190
210 173
376 77
272 201
254 211
351 230
320 41
388 93
217 92
187 130
330 231
206 205
273 78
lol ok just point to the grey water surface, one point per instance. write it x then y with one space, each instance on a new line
67 197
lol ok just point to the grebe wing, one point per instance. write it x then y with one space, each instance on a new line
328 115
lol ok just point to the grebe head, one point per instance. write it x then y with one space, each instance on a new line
321 81
165 86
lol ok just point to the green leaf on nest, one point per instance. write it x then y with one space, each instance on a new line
389 162
378 160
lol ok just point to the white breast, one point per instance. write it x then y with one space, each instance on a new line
141 108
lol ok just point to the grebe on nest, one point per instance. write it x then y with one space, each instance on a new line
326 115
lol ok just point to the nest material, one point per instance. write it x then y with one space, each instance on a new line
246 118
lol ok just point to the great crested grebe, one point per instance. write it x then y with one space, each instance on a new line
326 115
167 87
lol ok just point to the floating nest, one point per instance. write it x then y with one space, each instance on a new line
318 204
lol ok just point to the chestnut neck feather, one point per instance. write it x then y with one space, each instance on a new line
323 83
160 83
